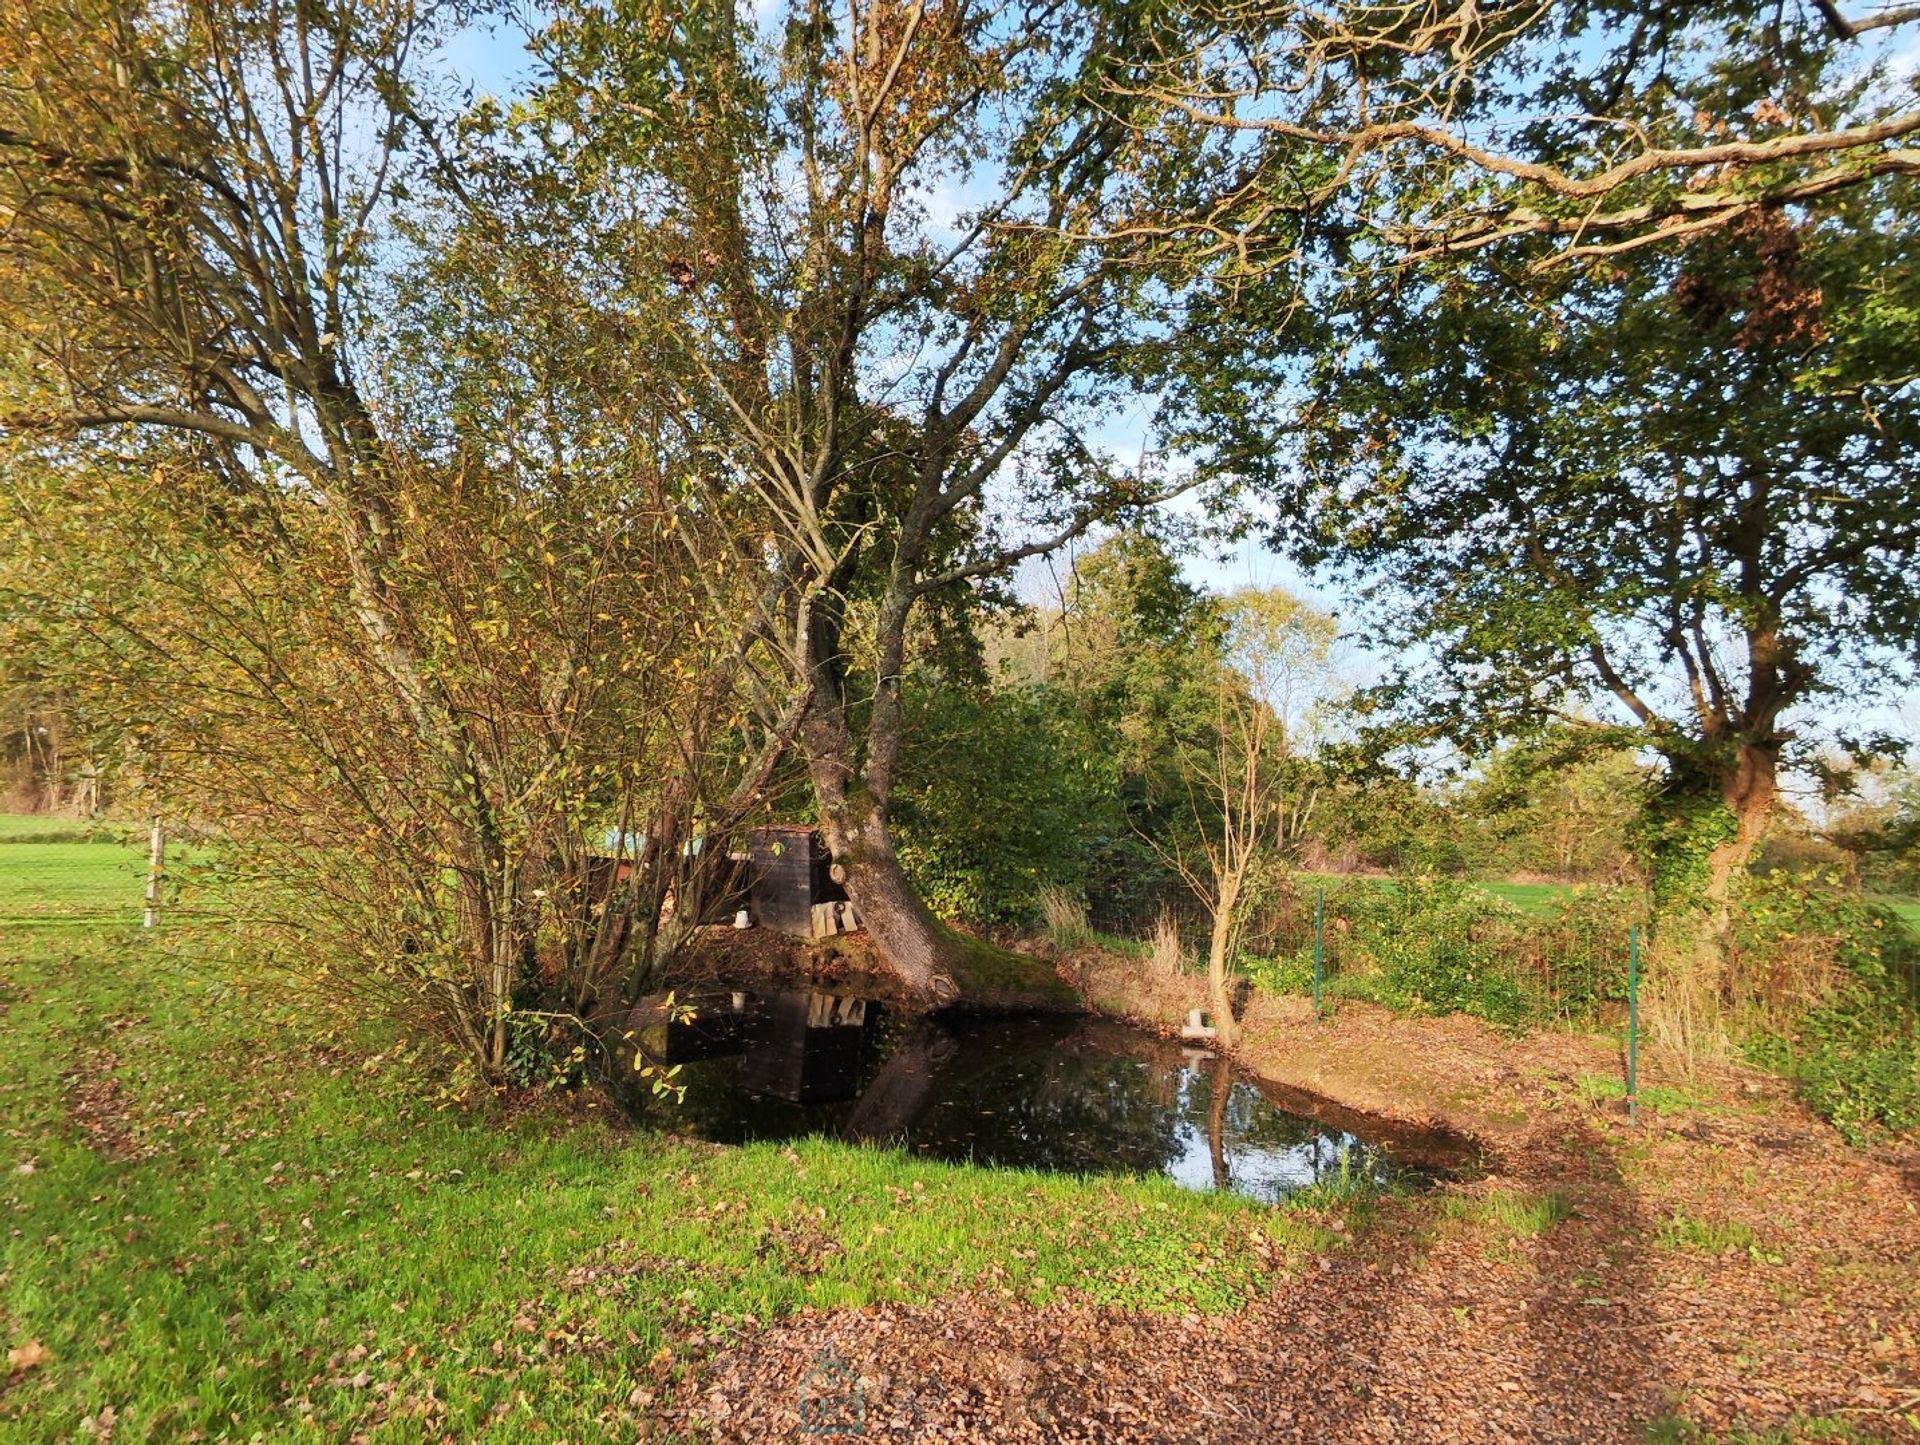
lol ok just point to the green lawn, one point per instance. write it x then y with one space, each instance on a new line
70 884
39 828
229 1213
1532 898
1536 899
1907 908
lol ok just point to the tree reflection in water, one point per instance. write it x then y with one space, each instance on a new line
1083 1095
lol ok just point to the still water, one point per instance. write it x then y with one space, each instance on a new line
1083 1095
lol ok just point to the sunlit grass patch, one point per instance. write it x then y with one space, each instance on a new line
43 884
1680 1230
1661 1098
1672 1430
1512 1212
236 1212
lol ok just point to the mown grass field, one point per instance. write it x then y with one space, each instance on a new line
1531 898
232 1212
1907 908
55 885
40 828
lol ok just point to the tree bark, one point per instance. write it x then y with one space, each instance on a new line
1695 982
912 941
936 966
1749 792
1226 1031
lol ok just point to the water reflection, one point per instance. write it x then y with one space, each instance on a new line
1082 1095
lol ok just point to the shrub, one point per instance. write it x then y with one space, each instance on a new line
992 805
1280 973
1432 945
1828 985
1856 1061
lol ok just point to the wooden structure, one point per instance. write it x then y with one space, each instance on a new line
791 885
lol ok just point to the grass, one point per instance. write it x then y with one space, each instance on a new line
1907 908
1683 1231
66 884
44 828
1511 1212
1672 1430
228 1215
1536 900
1661 1098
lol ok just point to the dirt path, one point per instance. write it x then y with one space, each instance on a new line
1728 1263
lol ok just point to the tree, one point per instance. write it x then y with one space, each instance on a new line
411 621
1250 786
1676 489
1878 826
996 799
1133 649
901 400
1586 128
1560 802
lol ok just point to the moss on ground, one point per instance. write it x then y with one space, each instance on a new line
989 976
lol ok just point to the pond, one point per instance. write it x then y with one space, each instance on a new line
1077 1094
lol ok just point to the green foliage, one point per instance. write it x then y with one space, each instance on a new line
1661 1098
1371 818
1280 973
1675 835
1831 985
1561 803
1815 912
996 803
1126 668
1428 945
1856 1061
545 1051
1452 945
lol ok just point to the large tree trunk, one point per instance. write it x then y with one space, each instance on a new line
1748 792
937 966
909 938
1692 980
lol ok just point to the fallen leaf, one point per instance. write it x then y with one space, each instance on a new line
27 1356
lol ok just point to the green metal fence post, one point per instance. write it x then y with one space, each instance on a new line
1633 1023
1319 943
